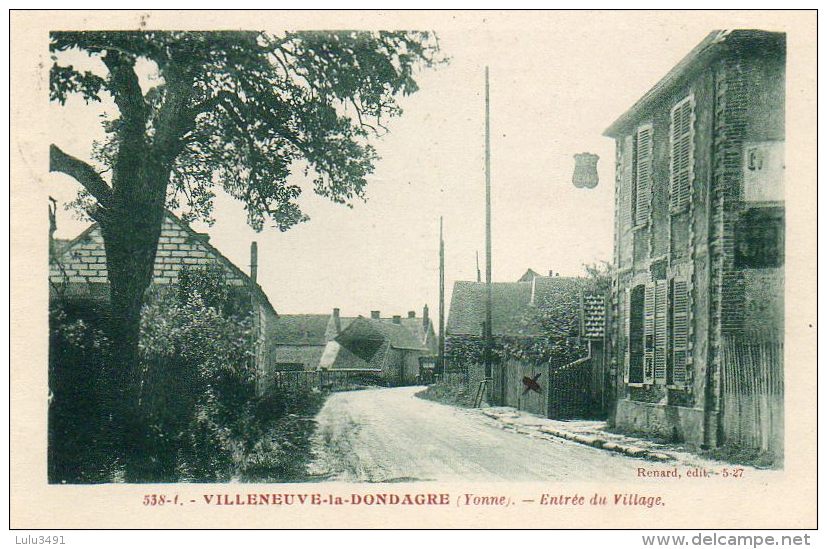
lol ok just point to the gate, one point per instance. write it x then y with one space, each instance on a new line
752 395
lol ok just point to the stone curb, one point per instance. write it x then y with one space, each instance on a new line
587 440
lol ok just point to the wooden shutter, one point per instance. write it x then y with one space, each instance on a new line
680 330
681 160
627 308
643 174
626 184
648 333
661 292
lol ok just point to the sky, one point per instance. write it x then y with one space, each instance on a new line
556 85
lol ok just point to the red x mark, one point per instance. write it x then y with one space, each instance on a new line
531 384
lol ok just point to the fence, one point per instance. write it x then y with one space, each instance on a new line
571 391
559 393
752 395
327 380
526 386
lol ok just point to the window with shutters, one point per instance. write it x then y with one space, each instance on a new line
649 333
636 334
681 154
626 183
642 175
660 330
678 331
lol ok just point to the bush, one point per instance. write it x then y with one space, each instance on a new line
78 355
199 377
200 418
283 426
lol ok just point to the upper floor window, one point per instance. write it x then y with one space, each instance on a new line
642 175
681 153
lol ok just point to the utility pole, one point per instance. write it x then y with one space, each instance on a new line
441 343
488 292
479 276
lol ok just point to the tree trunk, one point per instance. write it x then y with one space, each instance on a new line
131 214
130 232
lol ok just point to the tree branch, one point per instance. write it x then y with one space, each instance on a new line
82 172
125 88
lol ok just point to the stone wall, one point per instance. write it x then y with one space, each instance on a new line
84 261
671 423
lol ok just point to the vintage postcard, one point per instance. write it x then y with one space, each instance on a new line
380 269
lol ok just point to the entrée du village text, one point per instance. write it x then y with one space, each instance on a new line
410 499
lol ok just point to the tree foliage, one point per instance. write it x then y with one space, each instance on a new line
237 111
241 111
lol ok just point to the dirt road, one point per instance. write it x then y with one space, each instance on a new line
390 435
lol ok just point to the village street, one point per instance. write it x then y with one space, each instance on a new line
391 435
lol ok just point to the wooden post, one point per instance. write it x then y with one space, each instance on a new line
441 343
488 290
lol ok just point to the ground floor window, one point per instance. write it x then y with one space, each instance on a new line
636 335
657 332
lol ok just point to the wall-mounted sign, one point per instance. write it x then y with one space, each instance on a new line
764 171
585 171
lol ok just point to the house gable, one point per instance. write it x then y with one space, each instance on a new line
79 266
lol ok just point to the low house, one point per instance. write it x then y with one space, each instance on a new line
299 341
308 341
78 274
546 325
388 347
697 304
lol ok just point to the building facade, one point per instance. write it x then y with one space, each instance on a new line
78 273
308 341
697 301
389 347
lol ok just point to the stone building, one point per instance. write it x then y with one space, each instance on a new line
548 325
697 300
308 341
78 273
388 346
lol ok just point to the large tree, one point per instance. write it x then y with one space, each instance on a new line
238 111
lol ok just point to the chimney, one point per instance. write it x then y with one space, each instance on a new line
374 315
205 237
411 314
397 319
550 273
254 260
425 319
337 322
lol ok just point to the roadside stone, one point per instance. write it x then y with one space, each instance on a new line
634 451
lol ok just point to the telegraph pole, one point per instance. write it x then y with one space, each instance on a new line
488 292
441 343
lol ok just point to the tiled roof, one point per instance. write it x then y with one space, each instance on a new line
513 312
366 336
467 313
344 322
300 329
551 290
528 275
